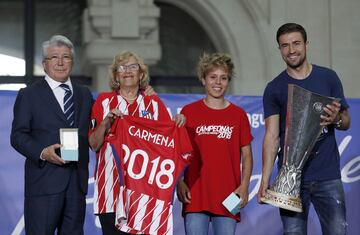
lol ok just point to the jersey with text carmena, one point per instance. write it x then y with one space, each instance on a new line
106 185
153 154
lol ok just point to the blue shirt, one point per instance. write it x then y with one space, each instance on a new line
324 161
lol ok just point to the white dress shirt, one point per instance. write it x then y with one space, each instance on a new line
57 90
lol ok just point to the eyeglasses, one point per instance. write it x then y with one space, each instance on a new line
55 58
130 67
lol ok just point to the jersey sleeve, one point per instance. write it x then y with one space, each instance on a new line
116 141
96 114
190 131
271 107
338 91
103 104
163 112
186 111
245 130
185 147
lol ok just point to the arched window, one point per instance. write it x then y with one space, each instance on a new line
182 41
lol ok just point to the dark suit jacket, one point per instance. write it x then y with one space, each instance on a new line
37 120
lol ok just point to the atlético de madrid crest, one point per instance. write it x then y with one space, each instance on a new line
146 114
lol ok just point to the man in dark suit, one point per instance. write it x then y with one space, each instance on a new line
54 189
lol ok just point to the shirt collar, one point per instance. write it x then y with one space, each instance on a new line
55 84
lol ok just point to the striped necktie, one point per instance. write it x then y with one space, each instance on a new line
68 105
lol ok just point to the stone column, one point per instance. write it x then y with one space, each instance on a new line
112 26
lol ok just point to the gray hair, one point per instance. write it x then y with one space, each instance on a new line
123 57
57 40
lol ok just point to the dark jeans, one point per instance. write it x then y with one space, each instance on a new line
328 200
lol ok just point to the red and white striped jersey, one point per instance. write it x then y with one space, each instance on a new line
153 154
106 186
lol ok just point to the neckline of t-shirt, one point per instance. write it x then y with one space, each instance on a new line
202 101
308 77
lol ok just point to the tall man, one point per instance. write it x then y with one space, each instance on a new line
321 183
54 189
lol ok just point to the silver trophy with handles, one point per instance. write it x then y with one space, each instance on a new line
302 130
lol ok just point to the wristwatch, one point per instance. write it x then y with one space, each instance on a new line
339 122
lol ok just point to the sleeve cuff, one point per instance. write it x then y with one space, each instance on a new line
41 155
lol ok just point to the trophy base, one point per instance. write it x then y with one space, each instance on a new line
282 201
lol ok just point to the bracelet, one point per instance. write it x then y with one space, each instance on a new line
339 122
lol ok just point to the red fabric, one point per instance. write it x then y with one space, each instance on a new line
153 154
106 184
214 171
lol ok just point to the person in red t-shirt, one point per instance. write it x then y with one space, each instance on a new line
222 162
128 79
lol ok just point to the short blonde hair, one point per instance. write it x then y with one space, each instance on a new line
208 62
121 58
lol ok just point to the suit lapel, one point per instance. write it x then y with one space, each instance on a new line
48 95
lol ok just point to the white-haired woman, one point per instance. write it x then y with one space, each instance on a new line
128 79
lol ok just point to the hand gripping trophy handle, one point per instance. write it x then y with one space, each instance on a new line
302 130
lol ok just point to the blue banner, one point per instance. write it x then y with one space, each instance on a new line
256 219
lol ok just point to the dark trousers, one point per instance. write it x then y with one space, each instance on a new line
63 212
107 222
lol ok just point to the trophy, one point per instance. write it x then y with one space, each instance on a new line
302 130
